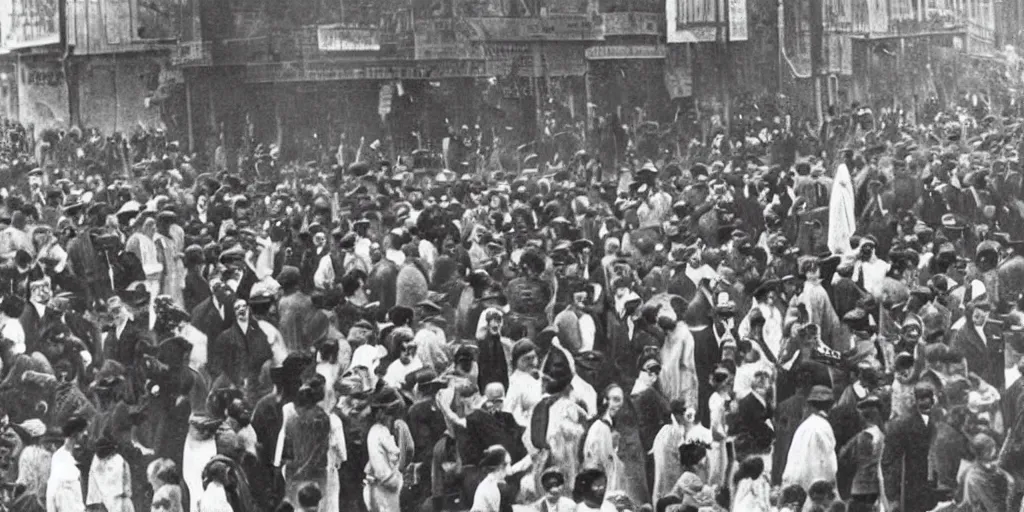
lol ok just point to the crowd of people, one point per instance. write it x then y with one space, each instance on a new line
756 327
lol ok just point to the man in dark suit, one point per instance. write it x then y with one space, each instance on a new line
37 314
240 351
905 457
213 315
751 425
983 350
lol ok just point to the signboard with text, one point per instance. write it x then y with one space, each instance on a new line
632 23
319 71
517 59
551 28
339 38
695 21
626 52
29 23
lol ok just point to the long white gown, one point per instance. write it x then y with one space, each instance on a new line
841 220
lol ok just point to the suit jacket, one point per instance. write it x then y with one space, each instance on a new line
653 411
905 462
33 324
984 358
381 283
206 318
197 289
750 425
239 355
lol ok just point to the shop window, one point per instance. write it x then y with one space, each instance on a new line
157 19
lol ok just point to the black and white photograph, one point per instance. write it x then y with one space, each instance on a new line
511 255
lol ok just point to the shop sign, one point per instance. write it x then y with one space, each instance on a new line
518 59
27 23
626 52
737 20
321 71
632 23
44 76
550 28
341 38
695 21
192 53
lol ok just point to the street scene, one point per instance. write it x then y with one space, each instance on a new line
511 255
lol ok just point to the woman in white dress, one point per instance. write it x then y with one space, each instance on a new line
718 404
383 483
600 447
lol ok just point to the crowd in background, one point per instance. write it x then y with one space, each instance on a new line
777 318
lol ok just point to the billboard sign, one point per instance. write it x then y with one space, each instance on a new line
28 23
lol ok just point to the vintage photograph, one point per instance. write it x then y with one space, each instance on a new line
511 255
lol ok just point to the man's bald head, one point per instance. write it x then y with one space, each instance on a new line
494 397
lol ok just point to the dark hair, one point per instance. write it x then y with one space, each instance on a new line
309 495
329 351
793 495
666 502
584 481
751 468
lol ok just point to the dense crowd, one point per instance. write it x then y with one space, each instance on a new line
787 320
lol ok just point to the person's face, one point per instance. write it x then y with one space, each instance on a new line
408 352
149 227
904 376
319 239
924 404
579 298
241 310
554 493
615 400
494 325
528 362
494 403
651 370
979 317
866 251
41 293
957 369
728 354
690 415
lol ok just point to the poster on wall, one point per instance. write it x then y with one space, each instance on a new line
679 71
738 20
695 21
42 95
29 23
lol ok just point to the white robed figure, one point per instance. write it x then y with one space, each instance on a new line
841 220
812 455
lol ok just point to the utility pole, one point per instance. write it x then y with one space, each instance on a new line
817 66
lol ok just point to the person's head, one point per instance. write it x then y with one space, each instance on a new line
241 309
721 379
590 487
309 497
524 356
162 472
494 322
75 432
650 369
751 468
40 291
613 399
553 483
495 460
494 398
821 492
924 398
980 312
683 413
762 382
984 448
867 249
794 496
955 364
